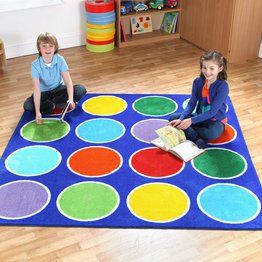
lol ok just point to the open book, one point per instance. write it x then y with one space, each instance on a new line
173 140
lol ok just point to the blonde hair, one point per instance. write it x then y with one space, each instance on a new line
218 58
47 38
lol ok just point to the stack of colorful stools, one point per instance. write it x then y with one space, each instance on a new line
100 26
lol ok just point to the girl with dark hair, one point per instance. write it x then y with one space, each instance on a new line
204 117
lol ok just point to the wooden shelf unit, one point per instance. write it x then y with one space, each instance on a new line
146 38
232 27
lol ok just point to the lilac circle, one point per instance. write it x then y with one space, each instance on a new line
145 130
22 199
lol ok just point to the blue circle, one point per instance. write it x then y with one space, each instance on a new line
101 20
33 160
229 203
100 15
100 130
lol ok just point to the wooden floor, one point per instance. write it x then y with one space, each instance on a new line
168 67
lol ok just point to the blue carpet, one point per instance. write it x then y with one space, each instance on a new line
97 168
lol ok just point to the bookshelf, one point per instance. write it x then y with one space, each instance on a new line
155 36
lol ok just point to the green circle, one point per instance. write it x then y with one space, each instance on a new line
50 130
155 106
220 163
88 201
100 48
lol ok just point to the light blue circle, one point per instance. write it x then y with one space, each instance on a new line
102 21
229 203
185 105
100 130
100 15
33 160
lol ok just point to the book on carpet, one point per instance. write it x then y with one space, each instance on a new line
173 140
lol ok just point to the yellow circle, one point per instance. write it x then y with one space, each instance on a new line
158 202
104 105
100 37
101 32
100 26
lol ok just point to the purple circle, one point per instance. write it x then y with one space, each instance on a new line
21 199
145 130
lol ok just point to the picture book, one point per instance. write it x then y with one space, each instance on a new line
168 22
141 24
175 22
173 140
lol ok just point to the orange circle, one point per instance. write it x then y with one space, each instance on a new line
94 161
227 136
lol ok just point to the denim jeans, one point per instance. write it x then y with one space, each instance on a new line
54 98
207 130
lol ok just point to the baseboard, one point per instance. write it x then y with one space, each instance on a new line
260 51
29 48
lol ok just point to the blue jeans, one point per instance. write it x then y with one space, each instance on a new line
207 130
54 98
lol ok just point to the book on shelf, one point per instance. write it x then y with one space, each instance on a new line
123 34
169 22
173 140
175 22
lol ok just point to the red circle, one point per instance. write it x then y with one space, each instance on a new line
94 161
100 42
99 6
156 163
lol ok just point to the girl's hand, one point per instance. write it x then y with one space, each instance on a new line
175 122
38 119
186 123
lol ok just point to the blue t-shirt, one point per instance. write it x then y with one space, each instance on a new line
49 76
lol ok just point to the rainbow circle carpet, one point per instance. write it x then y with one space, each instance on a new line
97 168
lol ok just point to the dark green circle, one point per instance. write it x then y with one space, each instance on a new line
155 105
220 163
50 130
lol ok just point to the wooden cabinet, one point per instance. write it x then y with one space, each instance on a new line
231 26
146 38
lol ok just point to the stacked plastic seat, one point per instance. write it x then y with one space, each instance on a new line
100 25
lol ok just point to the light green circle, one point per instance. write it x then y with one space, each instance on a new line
50 130
100 48
101 31
88 201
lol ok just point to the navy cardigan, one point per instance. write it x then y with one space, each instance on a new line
218 93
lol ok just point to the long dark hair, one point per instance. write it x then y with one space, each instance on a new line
219 59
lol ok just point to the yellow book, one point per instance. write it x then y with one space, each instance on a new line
171 136
173 140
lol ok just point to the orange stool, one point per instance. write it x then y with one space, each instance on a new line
2 54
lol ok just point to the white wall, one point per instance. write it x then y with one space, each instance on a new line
20 29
